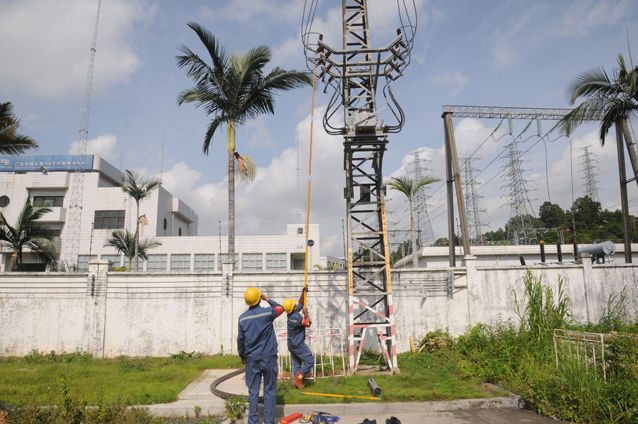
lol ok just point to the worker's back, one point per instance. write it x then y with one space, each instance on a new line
256 337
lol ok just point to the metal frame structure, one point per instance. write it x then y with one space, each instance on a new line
74 221
354 73
504 112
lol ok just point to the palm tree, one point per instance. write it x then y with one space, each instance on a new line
27 233
138 189
11 142
126 242
233 89
615 98
410 187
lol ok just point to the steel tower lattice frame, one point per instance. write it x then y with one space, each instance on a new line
354 73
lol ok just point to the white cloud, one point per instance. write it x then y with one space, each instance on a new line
247 10
103 146
49 42
585 15
503 54
454 80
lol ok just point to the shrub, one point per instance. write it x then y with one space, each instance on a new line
234 407
435 341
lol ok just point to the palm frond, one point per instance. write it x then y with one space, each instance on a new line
246 169
11 142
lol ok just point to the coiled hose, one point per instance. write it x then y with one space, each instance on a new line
225 395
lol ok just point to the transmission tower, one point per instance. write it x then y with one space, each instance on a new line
472 210
74 221
423 224
520 230
355 74
589 167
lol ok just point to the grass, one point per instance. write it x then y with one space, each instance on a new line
35 378
423 377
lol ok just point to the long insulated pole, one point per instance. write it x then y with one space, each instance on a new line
312 121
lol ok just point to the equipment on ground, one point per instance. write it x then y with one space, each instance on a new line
252 296
340 396
321 418
291 418
374 387
289 305
598 251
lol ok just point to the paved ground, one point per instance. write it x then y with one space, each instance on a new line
478 411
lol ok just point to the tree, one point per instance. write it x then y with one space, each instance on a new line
27 233
233 89
552 215
615 97
126 242
586 212
11 142
138 189
409 187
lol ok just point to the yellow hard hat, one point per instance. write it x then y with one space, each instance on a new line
289 305
252 296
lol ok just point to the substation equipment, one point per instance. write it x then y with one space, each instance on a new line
355 74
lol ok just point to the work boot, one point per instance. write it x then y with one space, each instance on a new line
298 381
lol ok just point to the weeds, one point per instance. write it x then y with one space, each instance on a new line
235 407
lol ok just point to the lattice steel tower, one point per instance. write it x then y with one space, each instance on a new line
520 230
71 249
356 73
472 210
589 167
424 226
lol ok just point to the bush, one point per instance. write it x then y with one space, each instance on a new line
435 341
235 407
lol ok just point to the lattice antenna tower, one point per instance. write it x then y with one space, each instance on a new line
589 168
355 74
74 221
471 197
521 230
420 205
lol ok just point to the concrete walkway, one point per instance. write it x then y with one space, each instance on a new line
481 411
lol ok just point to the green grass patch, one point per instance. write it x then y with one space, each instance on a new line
423 377
35 378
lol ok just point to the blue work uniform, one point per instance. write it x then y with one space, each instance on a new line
257 347
297 347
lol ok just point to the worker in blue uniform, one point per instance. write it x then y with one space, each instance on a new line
257 347
302 359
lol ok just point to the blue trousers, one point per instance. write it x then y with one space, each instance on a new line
255 370
301 354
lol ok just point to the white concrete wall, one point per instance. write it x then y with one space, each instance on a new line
162 313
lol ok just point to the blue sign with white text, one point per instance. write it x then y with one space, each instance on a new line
46 163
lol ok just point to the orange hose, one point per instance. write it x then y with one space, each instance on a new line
312 121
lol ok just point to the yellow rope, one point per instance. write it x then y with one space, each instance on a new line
312 120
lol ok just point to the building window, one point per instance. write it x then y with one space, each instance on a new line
276 261
223 257
156 263
252 262
299 230
83 262
48 201
165 224
204 262
106 220
180 262
114 259
179 232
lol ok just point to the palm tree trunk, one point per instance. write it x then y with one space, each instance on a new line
415 254
14 261
630 146
137 234
231 192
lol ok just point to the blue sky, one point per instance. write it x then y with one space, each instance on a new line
514 53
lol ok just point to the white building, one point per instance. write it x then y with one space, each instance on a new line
46 180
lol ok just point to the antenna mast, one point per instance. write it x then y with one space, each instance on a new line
72 248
